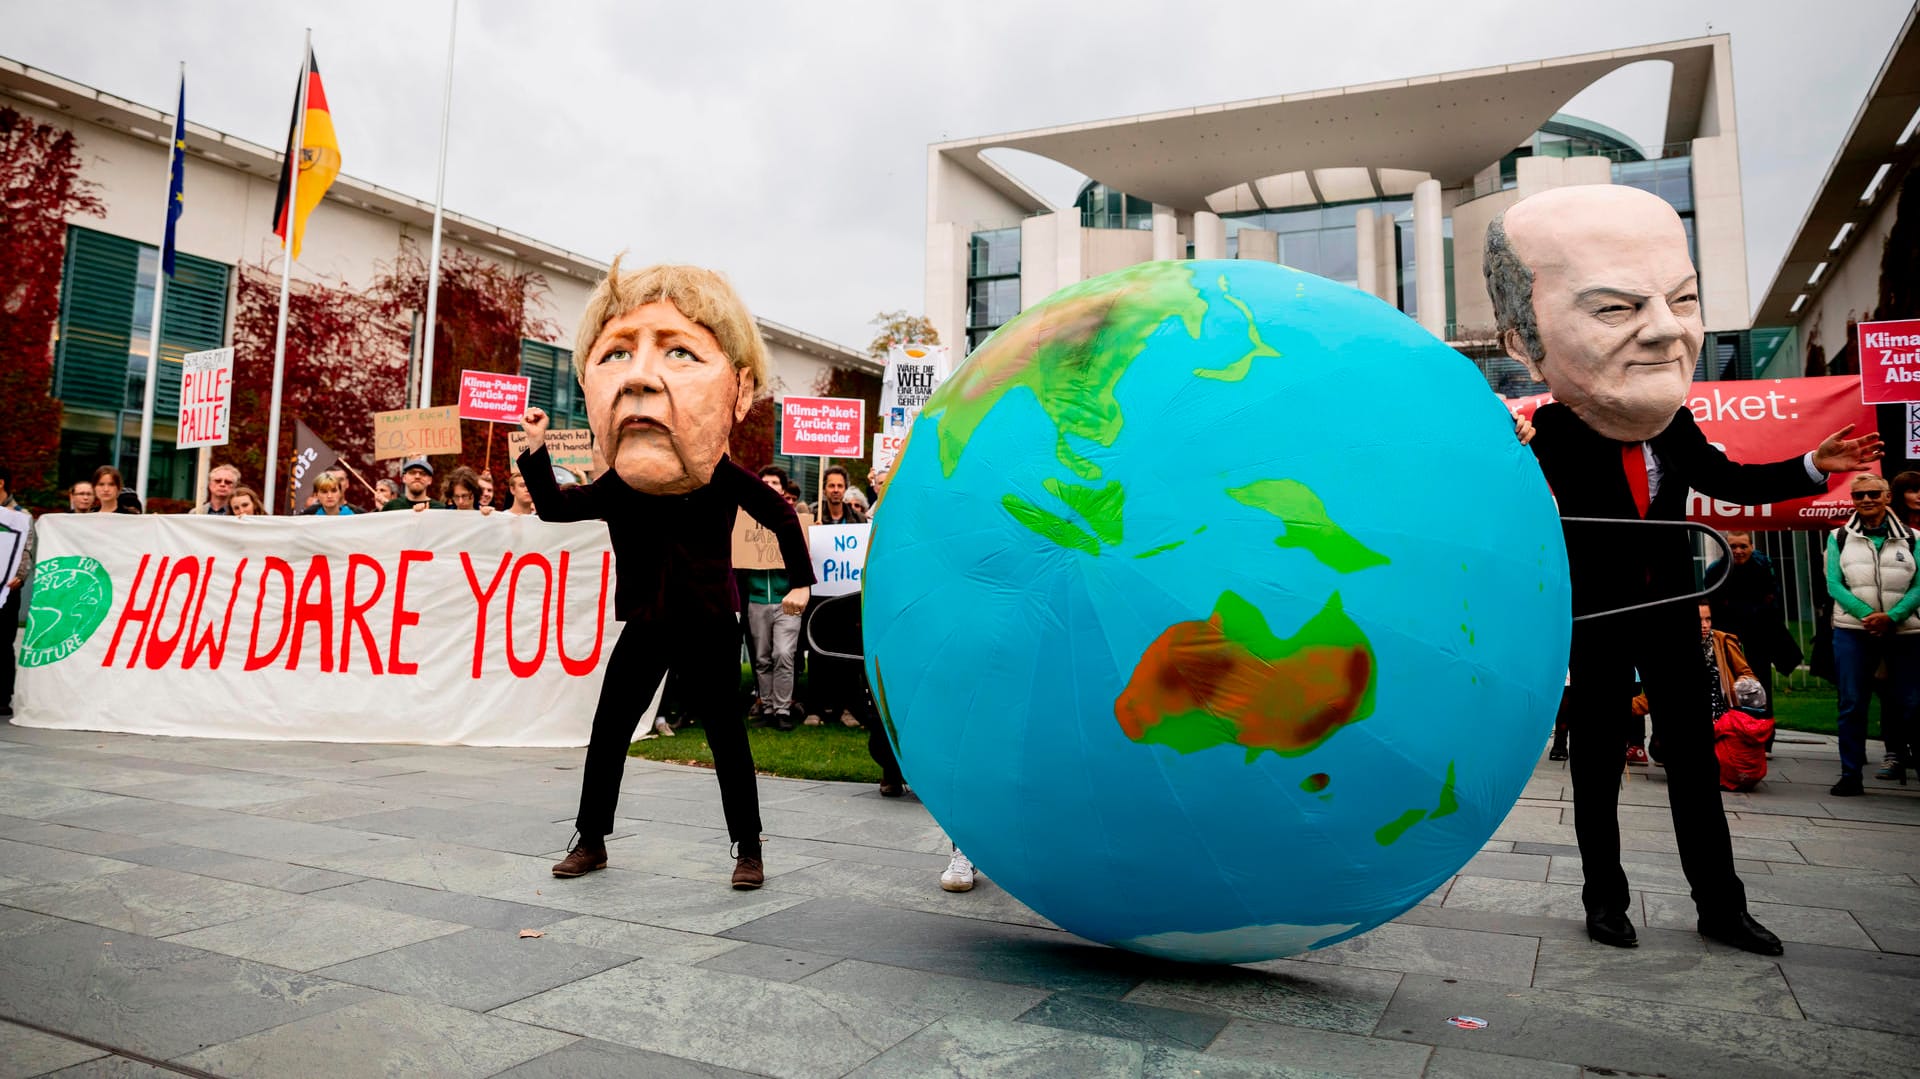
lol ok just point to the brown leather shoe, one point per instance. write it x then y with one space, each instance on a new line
581 860
748 872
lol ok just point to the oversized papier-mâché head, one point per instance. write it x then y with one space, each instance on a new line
670 360
1594 292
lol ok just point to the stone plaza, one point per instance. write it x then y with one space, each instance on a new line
184 906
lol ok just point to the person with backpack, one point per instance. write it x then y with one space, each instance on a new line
1870 575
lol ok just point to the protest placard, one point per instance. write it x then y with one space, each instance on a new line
823 427
839 557
416 432
1889 362
495 398
570 449
755 546
886 447
913 373
206 398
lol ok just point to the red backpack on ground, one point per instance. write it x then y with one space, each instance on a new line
1740 741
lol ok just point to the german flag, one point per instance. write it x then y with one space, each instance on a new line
319 158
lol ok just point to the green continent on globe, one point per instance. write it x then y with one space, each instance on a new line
1308 526
71 595
1229 681
1447 805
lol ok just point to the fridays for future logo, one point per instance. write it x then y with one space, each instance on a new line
71 596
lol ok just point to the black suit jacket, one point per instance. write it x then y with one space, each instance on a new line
1615 566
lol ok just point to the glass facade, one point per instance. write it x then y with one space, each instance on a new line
552 385
1101 207
993 282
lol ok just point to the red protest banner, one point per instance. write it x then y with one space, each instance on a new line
1763 420
498 398
823 427
1889 362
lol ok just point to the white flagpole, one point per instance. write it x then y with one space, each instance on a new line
439 201
271 492
142 473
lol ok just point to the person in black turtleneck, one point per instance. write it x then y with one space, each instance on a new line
670 360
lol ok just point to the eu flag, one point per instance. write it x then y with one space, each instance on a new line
177 182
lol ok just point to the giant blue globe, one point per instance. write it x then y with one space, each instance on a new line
1215 611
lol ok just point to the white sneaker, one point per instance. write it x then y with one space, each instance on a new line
959 874
662 728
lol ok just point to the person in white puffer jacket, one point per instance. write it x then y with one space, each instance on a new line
1871 577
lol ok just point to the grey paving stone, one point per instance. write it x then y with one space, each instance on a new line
210 792
636 941
113 1067
911 889
430 863
1857 998
1127 1020
1449 953
937 994
26 1052
1507 866
451 824
48 801
696 859
151 902
987 1049
78 840
1162 1062
726 1019
351 802
1664 969
1641 876
1807 925
769 962
1517 897
237 867
46 865
1316 995
693 906
387 1035
590 1059
279 840
314 934
1451 1063
1892 938
1320 1051
966 947
131 816
147 996
1655 1037
442 905
477 969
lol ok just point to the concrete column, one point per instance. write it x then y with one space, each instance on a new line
1260 245
1166 234
1388 258
947 281
1366 256
1209 235
1039 259
1069 249
1430 258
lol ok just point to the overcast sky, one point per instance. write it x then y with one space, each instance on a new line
786 143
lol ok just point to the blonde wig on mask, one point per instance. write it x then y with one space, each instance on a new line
702 295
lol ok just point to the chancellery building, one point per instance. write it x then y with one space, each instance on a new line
111 261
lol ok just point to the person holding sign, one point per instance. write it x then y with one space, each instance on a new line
671 361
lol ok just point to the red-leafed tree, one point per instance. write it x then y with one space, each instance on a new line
346 359
753 440
40 189
483 312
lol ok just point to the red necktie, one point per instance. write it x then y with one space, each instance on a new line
1633 461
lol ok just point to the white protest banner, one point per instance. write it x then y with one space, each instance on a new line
15 526
569 448
441 628
839 557
206 398
913 373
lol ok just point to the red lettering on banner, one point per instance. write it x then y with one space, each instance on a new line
356 613
481 599
581 667
402 618
279 566
132 613
319 612
205 641
160 648
526 668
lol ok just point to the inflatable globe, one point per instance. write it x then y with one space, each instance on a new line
1215 611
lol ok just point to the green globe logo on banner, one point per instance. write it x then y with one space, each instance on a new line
71 596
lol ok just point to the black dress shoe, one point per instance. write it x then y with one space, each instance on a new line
1848 787
1613 929
1742 932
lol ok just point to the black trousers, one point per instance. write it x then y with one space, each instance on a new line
837 683
9 629
1663 643
704 657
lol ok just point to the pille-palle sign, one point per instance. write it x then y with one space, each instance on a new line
439 628
492 397
823 427
1889 362
416 432
206 398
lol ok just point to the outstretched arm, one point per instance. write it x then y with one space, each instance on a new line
536 468
772 511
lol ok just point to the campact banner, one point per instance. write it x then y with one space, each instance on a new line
1760 420
438 627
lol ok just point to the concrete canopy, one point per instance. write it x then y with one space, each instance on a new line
1449 126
